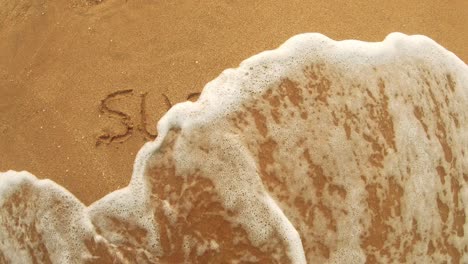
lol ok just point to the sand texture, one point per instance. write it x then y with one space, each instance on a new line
60 59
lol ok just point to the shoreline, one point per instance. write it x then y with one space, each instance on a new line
59 61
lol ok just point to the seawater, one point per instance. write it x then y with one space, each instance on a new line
320 151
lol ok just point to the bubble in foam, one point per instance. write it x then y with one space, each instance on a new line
319 151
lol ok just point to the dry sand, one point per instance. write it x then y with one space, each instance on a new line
60 59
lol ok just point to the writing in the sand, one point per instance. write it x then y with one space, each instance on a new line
126 120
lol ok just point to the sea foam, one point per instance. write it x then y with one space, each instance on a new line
319 151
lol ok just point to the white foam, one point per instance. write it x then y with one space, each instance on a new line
305 184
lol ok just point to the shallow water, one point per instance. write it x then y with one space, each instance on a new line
318 151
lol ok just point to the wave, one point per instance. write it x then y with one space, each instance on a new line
319 151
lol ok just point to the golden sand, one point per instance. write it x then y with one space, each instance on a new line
60 59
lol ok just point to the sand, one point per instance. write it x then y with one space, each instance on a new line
60 59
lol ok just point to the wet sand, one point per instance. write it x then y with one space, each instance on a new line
83 83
